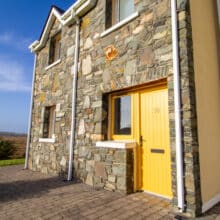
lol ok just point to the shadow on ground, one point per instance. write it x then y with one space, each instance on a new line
30 188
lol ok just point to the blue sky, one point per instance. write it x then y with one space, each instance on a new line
21 23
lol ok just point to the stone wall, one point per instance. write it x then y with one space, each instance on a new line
142 53
111 169
53 86
137 53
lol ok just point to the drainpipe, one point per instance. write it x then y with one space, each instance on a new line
30 117
73 127
177 105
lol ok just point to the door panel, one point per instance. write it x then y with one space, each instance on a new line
155 149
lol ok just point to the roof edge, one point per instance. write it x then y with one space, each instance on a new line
78 9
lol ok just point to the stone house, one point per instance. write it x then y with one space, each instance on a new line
126 97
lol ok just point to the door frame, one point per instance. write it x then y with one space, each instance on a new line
151 86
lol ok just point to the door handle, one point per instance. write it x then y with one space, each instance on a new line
141 140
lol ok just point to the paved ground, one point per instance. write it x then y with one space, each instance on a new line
31 195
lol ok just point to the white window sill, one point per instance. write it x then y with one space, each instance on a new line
47 140
53 64
120 24
124 144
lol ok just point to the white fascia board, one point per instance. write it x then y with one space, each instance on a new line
36 45
68 12
78 9
33 45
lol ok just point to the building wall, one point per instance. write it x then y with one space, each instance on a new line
53 87
143 49
142 55
207 79
143 52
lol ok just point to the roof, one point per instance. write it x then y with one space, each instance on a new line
61 11
78 9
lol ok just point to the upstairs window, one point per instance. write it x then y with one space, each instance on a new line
55 48
118 10
49 122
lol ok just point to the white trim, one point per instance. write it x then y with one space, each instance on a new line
158 195
36 45
117 144
208 205
79 8
53 64
120 24
47 140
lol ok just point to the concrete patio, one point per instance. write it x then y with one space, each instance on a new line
32 195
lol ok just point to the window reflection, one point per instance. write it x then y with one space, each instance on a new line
122 116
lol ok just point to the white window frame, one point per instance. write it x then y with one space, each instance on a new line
120 24
51 139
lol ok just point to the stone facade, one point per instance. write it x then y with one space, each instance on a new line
138 53
53 86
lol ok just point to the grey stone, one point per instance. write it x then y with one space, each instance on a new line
70 51
130 67
63 161
81 129
87 65
86 103
89 179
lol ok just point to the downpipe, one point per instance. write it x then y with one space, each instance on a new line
30 117
177 105
73 122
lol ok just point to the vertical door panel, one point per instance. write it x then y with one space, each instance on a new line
156 170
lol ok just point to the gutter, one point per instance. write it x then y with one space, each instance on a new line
177 106
78 9
73 122
30 117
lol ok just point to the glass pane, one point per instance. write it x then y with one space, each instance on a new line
122 119
126 8
218 8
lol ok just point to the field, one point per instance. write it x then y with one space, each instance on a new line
11 162
19 141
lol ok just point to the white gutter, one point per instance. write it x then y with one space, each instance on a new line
73 122
30 117
177 105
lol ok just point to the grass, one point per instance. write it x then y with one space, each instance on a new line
11 162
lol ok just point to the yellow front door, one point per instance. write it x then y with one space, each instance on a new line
155 148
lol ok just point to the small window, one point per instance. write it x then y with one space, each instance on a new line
49 122
55 48
121 115
118 10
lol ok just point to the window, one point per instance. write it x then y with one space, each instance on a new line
118 10
49 122
55 47
121 116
